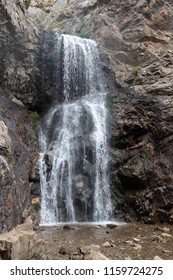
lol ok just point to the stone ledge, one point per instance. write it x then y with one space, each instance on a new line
18 244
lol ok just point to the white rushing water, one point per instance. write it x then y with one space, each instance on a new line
73 140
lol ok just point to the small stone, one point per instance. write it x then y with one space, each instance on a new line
94 255
18 102
157 258
107 245
129 242
164 234
137 247
165 229
76 228
66 227
157 229
63 251
111 226
166 251
112 241
87 249
156 238
136 240
127 258
97 227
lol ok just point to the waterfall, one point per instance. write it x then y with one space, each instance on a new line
73 141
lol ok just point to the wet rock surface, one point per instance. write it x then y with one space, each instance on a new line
135 39
132 241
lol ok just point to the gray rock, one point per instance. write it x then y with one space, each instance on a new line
87 249
94 255
156 238
166 229
5 173
166 251
137 247
137 240
63 251
127 258
5 141
19 244
107 245
164 234
157 258
129 242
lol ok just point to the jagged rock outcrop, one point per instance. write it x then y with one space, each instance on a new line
18 40
136 40
18 146
21 57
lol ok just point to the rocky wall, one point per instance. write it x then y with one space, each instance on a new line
135 38
18 144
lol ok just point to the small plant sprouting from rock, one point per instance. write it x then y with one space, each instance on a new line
27 3
136 69
83 35
35 116
161 51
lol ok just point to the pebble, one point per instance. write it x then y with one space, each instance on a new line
129 242
165 229
137 247
94 255
157 229
63 251
166 251
157 258
137 240
66 227
111 226
164 234
87 249
97 227
156 238
107 245
127 258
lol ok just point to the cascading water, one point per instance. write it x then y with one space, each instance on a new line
73 140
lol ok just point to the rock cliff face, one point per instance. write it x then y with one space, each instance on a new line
17 152
135 38
17 136
20 56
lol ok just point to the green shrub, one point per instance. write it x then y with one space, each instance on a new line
34 115
136 69
161 51
27 3
83 35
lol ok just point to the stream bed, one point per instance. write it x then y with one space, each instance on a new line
129 241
